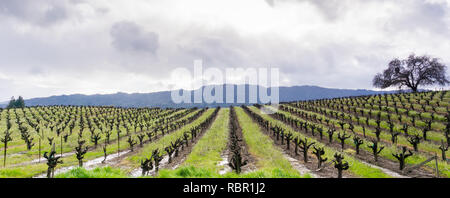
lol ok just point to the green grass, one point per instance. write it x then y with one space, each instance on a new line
188 172
103 172
270 159
23 171
207 152
194 172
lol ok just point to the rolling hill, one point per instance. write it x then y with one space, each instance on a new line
163 98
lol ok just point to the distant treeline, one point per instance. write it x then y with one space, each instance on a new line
13 103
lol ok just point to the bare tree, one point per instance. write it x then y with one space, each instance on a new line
412 72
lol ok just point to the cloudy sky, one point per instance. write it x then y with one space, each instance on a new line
53 47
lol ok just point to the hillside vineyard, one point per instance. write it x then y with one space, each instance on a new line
373 136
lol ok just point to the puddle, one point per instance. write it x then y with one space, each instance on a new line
88 165
226 168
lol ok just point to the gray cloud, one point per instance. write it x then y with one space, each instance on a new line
418 15
40 12
325 65
218 48
126 47
128 36
330 9
424 14
270 2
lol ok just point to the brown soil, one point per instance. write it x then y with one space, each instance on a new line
251 160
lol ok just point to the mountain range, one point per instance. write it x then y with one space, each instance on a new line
163 98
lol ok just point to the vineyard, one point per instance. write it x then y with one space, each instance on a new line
378 136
